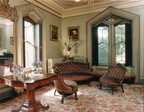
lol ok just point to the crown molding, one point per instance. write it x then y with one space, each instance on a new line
59 11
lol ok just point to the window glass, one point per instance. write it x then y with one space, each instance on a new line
112 42
103 45
31 43
120 43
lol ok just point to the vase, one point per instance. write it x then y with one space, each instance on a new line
68 54
37 69
15 74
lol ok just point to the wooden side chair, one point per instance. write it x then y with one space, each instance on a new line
114 77
65 87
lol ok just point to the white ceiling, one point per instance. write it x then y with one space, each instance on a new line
68 8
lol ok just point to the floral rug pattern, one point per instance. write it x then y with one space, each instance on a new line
90 99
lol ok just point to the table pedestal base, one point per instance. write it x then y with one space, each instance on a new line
27 107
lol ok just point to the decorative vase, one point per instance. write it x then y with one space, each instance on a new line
15 74
37 69
68 54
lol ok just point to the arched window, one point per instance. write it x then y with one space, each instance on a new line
112 41
128 23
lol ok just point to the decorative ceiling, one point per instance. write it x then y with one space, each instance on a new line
68 8
72 3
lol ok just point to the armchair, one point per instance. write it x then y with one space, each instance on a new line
114 77
65 87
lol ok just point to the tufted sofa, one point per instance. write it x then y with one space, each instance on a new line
74 70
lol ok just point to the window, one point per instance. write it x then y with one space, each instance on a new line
120 44
32 41
112 42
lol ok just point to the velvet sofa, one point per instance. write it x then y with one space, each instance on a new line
74 70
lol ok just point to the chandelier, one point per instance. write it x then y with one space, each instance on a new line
90 2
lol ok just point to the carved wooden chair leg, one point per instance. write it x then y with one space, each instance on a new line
76 96
122 89
112 90
129 81
55 92
88 82
100 86
62 100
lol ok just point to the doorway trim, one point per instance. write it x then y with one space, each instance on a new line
23 11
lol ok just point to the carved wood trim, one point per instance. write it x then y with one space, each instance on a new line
7 11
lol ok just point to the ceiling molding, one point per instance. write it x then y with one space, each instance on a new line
61 12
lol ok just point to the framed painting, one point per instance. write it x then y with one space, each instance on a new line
73 33
11 40
54 33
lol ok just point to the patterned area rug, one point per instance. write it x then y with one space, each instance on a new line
90 99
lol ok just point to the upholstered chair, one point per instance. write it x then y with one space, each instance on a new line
65 87
114 77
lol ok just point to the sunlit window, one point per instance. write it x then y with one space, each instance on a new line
120 43
31 43
112 42
103 45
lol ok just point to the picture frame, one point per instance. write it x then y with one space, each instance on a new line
11 40
73 33
54 33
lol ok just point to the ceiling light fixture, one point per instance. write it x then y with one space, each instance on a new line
77 0
90 2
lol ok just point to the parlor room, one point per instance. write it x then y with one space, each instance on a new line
71 55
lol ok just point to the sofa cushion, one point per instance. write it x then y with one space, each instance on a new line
77 76
129 75
108 80
73 70
99 73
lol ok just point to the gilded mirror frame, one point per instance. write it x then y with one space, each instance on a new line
8 12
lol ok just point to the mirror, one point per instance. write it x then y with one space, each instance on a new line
8 15
6 36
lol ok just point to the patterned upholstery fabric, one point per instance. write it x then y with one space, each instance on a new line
99 73
116 71
71 67
129 77
114 78
73 70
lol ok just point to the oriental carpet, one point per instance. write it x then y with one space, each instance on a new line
90 99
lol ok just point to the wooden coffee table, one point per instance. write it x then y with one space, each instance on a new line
29 83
